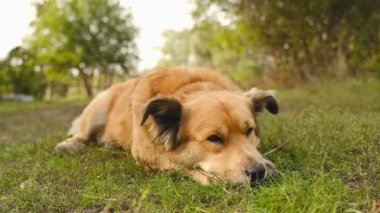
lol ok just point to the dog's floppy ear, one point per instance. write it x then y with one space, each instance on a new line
263 98
166 112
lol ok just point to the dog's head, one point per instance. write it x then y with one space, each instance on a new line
213 134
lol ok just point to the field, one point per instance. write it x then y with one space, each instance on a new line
325 142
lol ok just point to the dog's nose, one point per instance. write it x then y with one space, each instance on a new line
255 172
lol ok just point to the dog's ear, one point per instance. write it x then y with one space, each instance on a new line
263 98
166 112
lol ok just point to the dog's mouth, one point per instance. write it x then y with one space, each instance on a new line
209 177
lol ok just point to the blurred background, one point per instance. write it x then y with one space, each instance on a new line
54 49
321 56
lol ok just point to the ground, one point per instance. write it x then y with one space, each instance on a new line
325 142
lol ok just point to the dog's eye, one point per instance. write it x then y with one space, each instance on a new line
249 131
215 139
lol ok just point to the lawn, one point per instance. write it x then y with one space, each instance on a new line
325 142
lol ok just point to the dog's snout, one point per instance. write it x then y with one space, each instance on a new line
255 172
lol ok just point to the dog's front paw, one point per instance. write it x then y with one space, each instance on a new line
69 146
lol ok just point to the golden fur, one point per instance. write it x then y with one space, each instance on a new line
176 118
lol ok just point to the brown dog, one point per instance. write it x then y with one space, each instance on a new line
173 119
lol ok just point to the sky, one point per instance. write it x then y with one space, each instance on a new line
152 17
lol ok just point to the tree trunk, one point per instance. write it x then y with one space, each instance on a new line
88 86
109 78
87 83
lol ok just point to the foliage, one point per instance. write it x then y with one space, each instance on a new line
18 71
87 37
298 40
179 50
211 44
326 147
4 81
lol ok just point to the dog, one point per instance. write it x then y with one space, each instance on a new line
190 120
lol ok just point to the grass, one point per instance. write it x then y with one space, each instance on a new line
326 141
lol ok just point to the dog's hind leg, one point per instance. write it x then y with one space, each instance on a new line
89 124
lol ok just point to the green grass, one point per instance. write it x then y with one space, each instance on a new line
327 141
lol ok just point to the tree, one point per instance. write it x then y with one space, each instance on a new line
19 69
179 50
4 82
88 37
212 44
305 39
